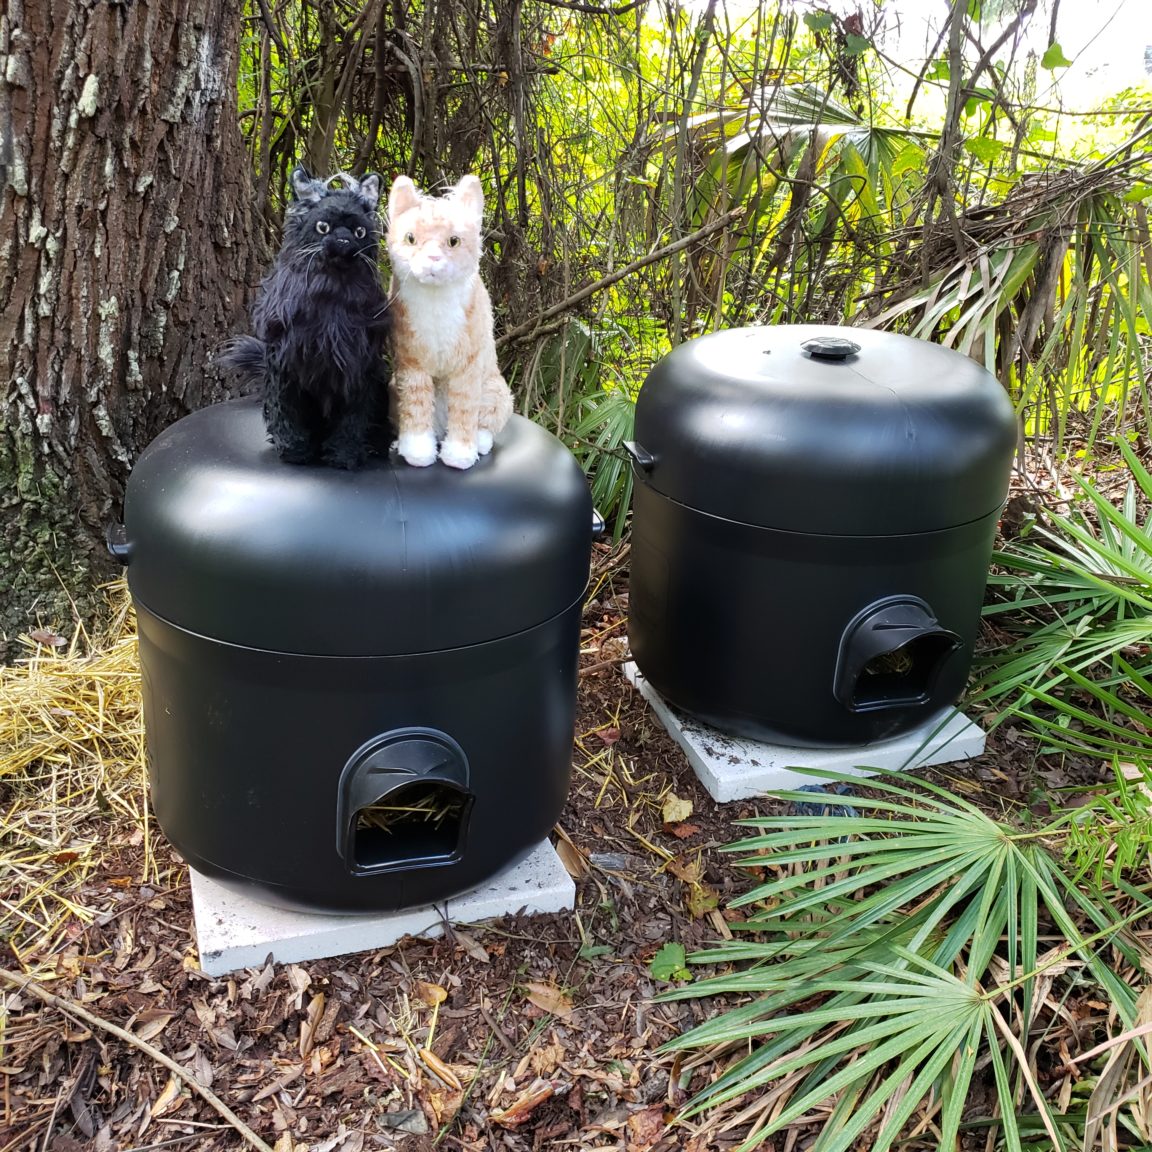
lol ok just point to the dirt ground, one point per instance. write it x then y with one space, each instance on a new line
522 1034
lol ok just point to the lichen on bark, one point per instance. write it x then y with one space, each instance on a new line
126 253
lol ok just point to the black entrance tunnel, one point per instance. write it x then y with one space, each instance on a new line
404 802
891 655
423 822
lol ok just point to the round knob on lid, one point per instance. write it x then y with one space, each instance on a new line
830 347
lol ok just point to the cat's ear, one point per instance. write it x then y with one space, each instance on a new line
470 193
370 190
402 197
304 187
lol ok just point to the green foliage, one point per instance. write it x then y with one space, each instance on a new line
1109 838
1076 604
894 954
670 963
1054 58
776 140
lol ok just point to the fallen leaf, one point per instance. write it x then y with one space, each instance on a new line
545 1059
144 963
282 1081
151 1023
701 900
300 980
441 1070
670 962
47 637
168 1098
685 869
645 1128
675 810
308 1025
430 994
683 831
548 997
574 861
522 1107
445 1103
472 946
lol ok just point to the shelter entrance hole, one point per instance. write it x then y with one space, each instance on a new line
419 823
903 676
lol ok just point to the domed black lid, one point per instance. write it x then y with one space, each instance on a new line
225 540
814 428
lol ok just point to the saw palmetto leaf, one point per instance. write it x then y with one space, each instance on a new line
891 953
1079 668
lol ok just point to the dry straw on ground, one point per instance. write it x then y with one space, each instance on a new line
71 777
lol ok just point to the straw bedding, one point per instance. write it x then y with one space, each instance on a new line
72 776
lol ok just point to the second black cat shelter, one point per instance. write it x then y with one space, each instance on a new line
814 513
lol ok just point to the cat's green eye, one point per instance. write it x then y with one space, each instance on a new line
410 238
359 233
323 227
453 241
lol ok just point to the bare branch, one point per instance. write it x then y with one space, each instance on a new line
593 9
78 1012
530 327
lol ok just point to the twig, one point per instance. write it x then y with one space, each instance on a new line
27 984
529 327
596 10
600 665
270 25
497 1031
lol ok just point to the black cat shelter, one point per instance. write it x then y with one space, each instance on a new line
813 518
359 687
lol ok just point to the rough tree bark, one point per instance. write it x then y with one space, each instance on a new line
126 252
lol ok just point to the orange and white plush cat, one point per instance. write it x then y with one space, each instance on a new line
446 384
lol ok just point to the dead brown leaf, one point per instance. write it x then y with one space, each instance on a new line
573 859
645 1128
310 1023
151 1023
544 1059
686 869
472 946
523 1106
444 1103
441 1070
548 997
430 994
168 1100
281 1081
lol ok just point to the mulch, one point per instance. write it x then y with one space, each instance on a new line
525 1033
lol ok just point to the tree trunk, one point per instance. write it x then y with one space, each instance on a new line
126 253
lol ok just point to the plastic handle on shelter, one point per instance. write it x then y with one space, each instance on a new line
642 458
116 541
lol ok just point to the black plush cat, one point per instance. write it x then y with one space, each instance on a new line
321 326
